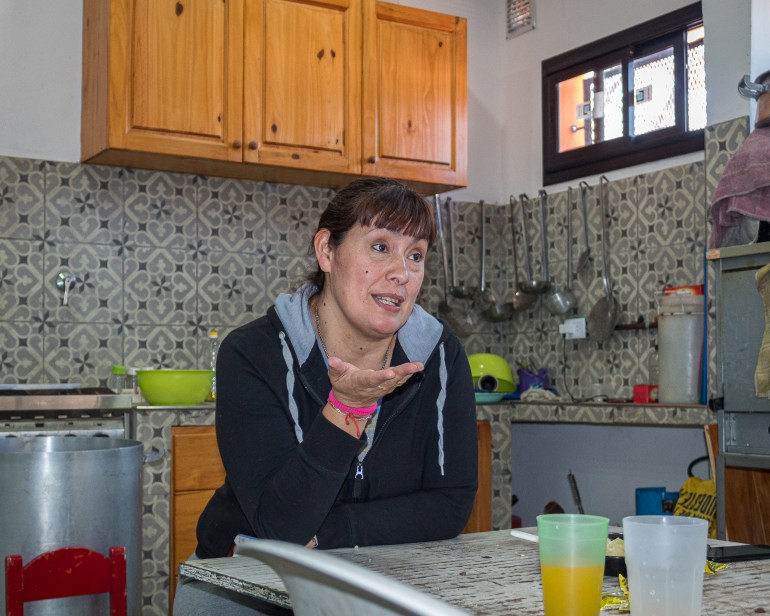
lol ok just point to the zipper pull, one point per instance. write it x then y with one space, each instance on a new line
358 481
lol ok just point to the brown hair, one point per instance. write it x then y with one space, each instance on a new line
377 202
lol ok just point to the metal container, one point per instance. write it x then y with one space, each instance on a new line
72 491
759 90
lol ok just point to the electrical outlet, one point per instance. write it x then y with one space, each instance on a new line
573 329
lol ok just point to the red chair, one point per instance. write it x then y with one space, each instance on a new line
66 572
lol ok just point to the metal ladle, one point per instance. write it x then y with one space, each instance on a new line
460 321
585 256
457 290
562 302
487 302
604 315
521 299
538 287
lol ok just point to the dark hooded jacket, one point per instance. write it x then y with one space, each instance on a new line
291 474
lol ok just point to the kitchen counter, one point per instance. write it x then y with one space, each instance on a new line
610 413
485 573
502 415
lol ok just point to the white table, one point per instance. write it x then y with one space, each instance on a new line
486 573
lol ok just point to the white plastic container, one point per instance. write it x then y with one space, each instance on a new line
680 348
665 557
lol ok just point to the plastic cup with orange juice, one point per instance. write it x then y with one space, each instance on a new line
572 550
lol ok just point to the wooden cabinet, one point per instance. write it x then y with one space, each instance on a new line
481 515
302 84
415 94
196 471
162 77
272 90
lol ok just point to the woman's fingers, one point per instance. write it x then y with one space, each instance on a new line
352 383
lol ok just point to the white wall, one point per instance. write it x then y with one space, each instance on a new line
562 25
40 70
40 73
609 463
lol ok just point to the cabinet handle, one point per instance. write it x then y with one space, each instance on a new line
252 145
237 145
371 160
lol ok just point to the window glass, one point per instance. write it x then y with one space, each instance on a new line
653 87
630 98
590 108
696 80
613 102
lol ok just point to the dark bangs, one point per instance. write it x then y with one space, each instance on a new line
382 203
408 216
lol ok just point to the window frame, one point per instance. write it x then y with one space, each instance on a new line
621 48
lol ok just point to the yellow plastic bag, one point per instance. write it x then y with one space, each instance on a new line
698 499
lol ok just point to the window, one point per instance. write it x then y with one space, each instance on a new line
633 97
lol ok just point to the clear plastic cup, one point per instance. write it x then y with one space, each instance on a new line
572 549
665 558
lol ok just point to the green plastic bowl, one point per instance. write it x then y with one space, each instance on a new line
483 364
175 387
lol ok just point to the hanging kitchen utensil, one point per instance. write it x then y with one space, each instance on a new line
760 92
537 287
458 320
606 311
458 290
585 256
485 299
561 302
521 299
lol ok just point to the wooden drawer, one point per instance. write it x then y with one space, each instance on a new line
196 471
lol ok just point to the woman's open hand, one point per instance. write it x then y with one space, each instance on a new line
360 388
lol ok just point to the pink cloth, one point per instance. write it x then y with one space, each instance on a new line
744 188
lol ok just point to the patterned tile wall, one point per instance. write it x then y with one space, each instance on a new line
161 257
657 230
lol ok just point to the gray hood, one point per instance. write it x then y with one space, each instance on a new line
418 337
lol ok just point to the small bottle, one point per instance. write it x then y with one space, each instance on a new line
117 380
210 361
132 387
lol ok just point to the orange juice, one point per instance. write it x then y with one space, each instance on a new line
572 591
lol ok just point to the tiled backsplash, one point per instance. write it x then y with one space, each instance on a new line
163 257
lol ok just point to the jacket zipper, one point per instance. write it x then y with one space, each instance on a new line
358 478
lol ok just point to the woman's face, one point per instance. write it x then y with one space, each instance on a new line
373 277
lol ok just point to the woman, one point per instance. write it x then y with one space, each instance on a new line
346 416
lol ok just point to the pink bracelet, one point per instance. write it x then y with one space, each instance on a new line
354 410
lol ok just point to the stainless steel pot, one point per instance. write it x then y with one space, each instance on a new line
72 491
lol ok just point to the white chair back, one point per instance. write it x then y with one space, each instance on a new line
320 584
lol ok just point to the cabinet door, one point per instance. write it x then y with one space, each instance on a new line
302 84
415 94
481 514
175 77
196 471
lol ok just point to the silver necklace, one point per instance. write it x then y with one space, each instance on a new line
323 344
